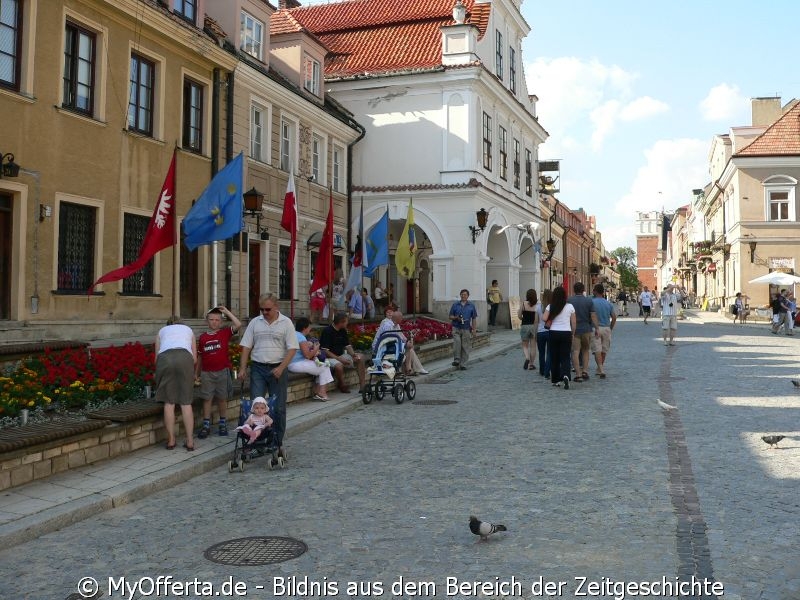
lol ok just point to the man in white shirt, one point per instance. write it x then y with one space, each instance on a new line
646 302
670 303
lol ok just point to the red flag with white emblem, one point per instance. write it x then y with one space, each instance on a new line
289 219
160 232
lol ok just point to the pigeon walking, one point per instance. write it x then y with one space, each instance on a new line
796 382
772 440
484 529
666 406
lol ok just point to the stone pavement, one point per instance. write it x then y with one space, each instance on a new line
593 482
57 501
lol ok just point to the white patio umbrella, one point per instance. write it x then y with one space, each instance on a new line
777 278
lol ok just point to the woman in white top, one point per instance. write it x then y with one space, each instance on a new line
561 315
307 360
176 355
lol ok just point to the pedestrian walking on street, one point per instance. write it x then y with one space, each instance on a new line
529 316
561 318
271 342
645 304
464 319
543 335
792 311
176 354
606 320
670 303
780 312
740 310
214 368
494 297
585 329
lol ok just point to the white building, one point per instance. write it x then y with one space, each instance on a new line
450 124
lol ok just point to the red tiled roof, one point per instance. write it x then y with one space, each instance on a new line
378 36
782 138
284 22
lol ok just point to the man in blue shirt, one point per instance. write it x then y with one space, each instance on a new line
606 320
464 318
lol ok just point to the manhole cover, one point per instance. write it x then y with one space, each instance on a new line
255 551
434 402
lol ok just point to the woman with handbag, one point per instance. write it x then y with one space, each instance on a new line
527 331
560 316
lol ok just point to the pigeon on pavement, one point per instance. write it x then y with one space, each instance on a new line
484 529
796 382
772 440
666 406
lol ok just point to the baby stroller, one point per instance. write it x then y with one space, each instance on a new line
266 443
386 373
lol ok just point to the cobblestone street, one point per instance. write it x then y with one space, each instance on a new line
592 482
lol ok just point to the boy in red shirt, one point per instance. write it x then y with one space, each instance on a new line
214 367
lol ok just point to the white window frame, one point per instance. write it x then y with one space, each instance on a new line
319 157
780 184
339 165
251 36
288 143
256 104
311 81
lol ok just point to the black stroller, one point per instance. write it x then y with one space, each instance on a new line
386 373
265 444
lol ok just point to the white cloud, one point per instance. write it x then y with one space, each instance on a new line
672 169
585 100
642 108
724 103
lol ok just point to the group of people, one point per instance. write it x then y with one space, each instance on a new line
357 303
784 310
566 331
271 347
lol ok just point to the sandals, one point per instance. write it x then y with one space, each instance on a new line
170 446
188 448
319 398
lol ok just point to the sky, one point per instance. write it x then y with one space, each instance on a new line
633 92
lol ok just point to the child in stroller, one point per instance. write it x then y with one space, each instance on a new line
386 372
255 435
257 422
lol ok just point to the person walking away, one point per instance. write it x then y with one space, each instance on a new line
530 321
335 343
606 320
542 335
214 367
271 342
738 309
561 318
307 360
464 319
494 297
670 303
622 298
791 312
176 354
780 312
586 322
645 304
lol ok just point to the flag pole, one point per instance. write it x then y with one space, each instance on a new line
176 246
331 270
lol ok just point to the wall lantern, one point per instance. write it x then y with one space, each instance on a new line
253 205
482 216
753 251
8 168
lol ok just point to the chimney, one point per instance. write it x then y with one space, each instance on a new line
288 4
765 111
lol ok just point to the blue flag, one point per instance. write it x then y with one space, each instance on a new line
217 214
378 245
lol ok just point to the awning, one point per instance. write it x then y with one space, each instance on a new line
316 238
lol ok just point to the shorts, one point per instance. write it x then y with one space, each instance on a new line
527 332
669 322
582 341
602 342
646 310
317 303
216 384
347 362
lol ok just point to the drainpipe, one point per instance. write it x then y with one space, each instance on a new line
350 181
228 157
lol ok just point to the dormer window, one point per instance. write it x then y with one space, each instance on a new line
312 76
252 36
186 9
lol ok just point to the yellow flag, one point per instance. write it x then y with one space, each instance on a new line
405 257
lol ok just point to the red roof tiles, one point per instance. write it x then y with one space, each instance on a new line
379 36
782 138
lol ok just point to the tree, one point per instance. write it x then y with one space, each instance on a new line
626 265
